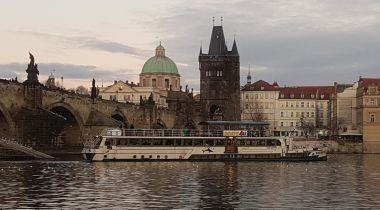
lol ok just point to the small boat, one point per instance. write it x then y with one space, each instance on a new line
195 145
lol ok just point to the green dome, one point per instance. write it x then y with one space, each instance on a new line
159 64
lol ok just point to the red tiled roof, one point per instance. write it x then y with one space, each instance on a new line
261 85
307 92
366 82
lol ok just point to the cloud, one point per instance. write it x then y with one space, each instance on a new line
300 42
86 42
68 72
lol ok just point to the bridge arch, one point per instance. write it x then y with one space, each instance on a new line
159 124
72 130
7 125
119 116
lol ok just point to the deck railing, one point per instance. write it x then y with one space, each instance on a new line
178 133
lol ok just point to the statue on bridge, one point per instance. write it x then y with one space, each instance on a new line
32 71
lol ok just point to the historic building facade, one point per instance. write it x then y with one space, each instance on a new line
160 72
220 79
131 93
344 110
368 113
259 102
304 110
300 111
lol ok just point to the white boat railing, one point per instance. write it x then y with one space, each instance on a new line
177 133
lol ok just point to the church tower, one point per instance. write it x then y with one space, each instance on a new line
220 79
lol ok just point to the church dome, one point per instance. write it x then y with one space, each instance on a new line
159 64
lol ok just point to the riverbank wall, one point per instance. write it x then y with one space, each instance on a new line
335 146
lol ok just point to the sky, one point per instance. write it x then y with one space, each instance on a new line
293 42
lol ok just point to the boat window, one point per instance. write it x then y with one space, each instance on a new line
122 142
169 142
260 142
198 142
108 142
271 142
157 142
187 142
219 142
134 142
209 142
178 142
241 142
145 142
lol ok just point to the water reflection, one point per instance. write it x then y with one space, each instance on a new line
344 181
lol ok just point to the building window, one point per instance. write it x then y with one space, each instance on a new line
143 83
291 124
291 104
246 106
219 73
291 114
246 96
154 82
166 83
297 114
282 124
312 114
372 118
307 114
282 114
302 104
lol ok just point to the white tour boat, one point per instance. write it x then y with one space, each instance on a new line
182 144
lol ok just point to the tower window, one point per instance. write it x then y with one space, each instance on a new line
167 83
372 118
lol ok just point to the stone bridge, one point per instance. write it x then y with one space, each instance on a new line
39 115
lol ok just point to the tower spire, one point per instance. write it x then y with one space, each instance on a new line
234 50
249 75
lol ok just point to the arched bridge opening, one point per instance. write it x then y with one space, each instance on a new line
121 119
68 131
5 128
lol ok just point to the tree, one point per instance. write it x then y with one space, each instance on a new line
81 90
307 127
256 112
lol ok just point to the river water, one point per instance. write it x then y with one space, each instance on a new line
344 181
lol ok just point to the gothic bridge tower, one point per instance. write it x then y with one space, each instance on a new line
220 79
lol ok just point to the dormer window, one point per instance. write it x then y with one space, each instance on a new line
291 95
312 95
262 88
302 96
322 96
282 95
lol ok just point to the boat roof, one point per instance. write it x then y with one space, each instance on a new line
259 123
